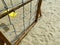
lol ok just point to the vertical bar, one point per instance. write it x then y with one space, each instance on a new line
38 10
1 42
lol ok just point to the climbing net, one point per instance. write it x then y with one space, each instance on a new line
17 21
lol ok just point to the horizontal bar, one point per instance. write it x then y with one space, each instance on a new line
13 9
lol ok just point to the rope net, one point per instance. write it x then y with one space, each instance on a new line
12 26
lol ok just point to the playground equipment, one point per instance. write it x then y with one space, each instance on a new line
17 18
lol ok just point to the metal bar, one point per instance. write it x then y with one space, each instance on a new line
1 42
38 9
13 9
4 39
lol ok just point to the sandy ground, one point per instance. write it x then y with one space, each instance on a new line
47 29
